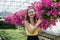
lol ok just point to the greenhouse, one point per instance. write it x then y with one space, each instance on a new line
13 15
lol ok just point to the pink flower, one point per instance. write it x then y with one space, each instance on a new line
58 4
47 3
18 18
44 24
47 22
37 5
59 14
44 27
52 4
52 22
44 1
22 12
9 19
49 13
55 11
38 14
42 11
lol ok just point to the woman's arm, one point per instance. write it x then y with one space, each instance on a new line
31 30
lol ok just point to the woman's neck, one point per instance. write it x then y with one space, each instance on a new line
32 21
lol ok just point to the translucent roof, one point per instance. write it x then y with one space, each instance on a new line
14 5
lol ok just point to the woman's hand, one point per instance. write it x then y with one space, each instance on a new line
39 21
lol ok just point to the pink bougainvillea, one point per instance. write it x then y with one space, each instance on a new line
44 9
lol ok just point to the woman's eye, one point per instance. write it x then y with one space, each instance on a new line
31 12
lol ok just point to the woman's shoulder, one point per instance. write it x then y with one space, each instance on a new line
25 21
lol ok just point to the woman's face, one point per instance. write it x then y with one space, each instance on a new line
31 13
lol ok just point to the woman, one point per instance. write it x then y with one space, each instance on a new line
31 25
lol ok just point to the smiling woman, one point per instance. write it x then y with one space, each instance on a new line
32 24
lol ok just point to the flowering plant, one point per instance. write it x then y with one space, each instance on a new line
46 9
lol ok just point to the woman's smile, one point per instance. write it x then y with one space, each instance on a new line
32 15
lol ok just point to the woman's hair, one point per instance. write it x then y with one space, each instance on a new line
28 18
